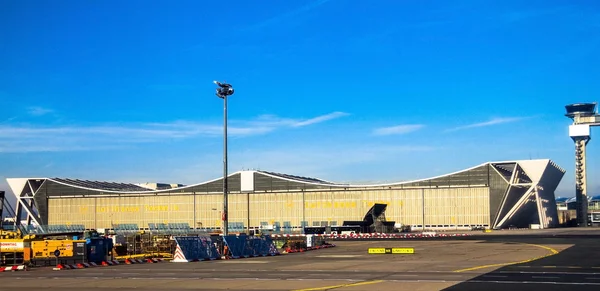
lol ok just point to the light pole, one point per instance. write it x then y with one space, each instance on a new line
223 91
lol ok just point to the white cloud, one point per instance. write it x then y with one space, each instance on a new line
398 129
29 147
77 138
9 119
38 111
493 121
319 119
28 138
269 120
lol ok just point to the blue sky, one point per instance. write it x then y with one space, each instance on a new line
343 90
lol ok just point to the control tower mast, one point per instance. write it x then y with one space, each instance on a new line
584 115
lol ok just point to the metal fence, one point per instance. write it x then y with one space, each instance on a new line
52 228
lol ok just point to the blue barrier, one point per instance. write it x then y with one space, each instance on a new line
269 247
244 246
195 248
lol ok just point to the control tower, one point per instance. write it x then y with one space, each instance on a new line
584 115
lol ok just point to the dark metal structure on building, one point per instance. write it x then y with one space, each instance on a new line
374 221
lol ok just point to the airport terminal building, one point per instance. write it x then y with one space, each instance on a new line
494 194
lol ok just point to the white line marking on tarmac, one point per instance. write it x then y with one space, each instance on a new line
338 256
321 274
245 262
429 281
544 277
498 282
349 280
153 278
533 282
550 273
354 280
308 279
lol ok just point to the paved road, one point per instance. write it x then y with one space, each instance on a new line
488 263
575 267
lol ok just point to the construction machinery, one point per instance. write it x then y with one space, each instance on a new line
12 246
53 248
48 245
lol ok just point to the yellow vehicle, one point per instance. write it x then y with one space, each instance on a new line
39 249
13 249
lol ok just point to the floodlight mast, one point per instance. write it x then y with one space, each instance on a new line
584 116
223 91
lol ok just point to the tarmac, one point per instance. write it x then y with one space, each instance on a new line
559 259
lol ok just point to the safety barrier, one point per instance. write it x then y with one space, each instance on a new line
106 263
110 263
14 268
194 248
68 266
84 265
75 266
394 235
134 261
244 246
290 250
376 235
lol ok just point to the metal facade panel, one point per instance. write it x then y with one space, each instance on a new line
546 192
443 206
411 206
457 206
247 181
579 130
498 190
473 177
237 208
208 209
17 184
534 168
71 211
106 212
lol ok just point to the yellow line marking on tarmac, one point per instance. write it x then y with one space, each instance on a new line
340 286
552 252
